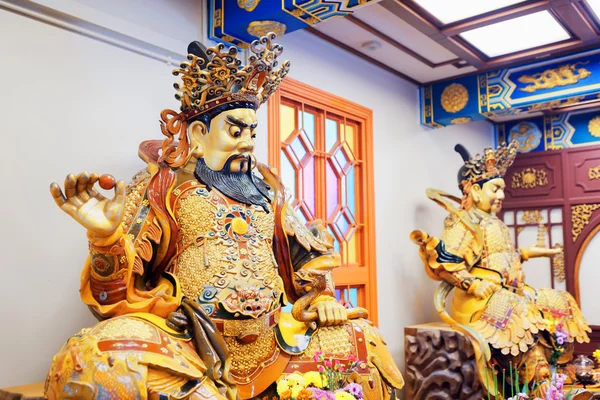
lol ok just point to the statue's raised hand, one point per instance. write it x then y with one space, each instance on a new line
99 215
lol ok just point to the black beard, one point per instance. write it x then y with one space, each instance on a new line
243 187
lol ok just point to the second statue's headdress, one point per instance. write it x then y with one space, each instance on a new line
214 78
493 164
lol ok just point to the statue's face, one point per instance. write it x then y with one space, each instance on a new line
489 197
230 136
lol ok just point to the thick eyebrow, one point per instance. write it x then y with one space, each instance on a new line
240 123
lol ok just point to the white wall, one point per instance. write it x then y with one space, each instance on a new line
70 103
588 287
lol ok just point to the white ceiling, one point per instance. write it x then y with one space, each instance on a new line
384 21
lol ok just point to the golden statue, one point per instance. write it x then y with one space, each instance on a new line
511 325
191 263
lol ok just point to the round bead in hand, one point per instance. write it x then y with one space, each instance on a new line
107 182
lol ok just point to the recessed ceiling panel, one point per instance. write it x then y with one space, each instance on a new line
348 33
516 34
401 31
456 10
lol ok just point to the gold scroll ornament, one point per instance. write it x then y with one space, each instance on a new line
594 173
454 98
532 217
529 178
580 217
248 5
261 28
460 120
568 74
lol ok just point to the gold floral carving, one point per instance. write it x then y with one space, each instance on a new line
594 126
558 264
568 74
454 98
529 178
261 28
594 173
532 217
248 5
580 217
460 120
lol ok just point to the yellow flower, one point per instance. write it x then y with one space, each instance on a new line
344 396
296 390
282 386
596 355
315 378
295 379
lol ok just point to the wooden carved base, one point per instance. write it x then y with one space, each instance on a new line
440 364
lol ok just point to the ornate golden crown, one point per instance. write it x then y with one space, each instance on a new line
214 76
492 164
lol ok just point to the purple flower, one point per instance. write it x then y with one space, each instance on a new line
321 394
354 389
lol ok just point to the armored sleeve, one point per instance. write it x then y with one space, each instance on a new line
113 280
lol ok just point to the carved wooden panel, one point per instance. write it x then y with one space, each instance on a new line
440 364
574 186
535 176
584 174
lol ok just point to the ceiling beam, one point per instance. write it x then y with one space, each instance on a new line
357 53
398 45
405 13
576 22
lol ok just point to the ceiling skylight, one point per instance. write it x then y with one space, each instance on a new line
456 10
516 34
595 6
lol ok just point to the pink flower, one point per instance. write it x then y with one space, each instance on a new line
321 368
328 363
317 356
321 394
341 368
354 389
352 358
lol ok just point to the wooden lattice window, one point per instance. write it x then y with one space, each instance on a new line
322 147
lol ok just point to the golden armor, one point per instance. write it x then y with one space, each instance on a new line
191 263
510 324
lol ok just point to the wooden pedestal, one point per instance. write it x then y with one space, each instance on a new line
440 364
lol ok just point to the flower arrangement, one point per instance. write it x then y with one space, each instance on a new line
554 392
328 383
560 336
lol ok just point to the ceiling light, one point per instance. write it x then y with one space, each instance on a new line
516 34
371 45
462 9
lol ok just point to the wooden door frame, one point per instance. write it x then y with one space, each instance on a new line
298 91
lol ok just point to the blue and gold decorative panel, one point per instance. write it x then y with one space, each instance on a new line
239 22
521 90
560 131
456 102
